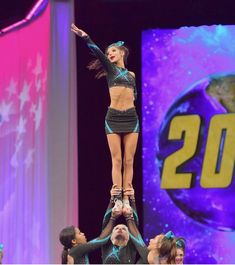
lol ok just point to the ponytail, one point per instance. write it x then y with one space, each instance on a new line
96 65
66 236
64 256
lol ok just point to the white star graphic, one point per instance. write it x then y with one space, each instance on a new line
14 160
11 89
38 68
38 114
29 158
5 111
24 95
38 84
21 126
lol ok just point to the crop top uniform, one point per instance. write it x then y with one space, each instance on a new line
116 76
117 121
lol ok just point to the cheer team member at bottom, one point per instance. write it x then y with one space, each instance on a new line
162 249
121 249
76 247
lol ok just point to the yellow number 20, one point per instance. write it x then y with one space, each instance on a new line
216 173
212 176
188 126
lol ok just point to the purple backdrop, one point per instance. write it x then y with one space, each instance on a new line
177 68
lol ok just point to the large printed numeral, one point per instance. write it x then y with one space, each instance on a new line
219 157
218 164
188 126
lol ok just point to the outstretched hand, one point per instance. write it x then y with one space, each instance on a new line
78 31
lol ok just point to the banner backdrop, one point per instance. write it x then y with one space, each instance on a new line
23 107
188 94
38 136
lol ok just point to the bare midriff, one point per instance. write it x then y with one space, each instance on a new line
122 98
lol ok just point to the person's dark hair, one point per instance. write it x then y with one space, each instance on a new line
96 64
66 236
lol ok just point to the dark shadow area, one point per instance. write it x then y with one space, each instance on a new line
13 11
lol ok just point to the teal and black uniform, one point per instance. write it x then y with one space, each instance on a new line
116 76
117 121
138 242
112 254
80 252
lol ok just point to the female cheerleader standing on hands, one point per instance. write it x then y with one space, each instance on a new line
121 121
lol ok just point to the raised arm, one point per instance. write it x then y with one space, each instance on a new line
108 66
83 249
106 232
135 235
115 193
130 193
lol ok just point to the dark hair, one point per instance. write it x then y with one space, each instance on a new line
96 64
66 236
